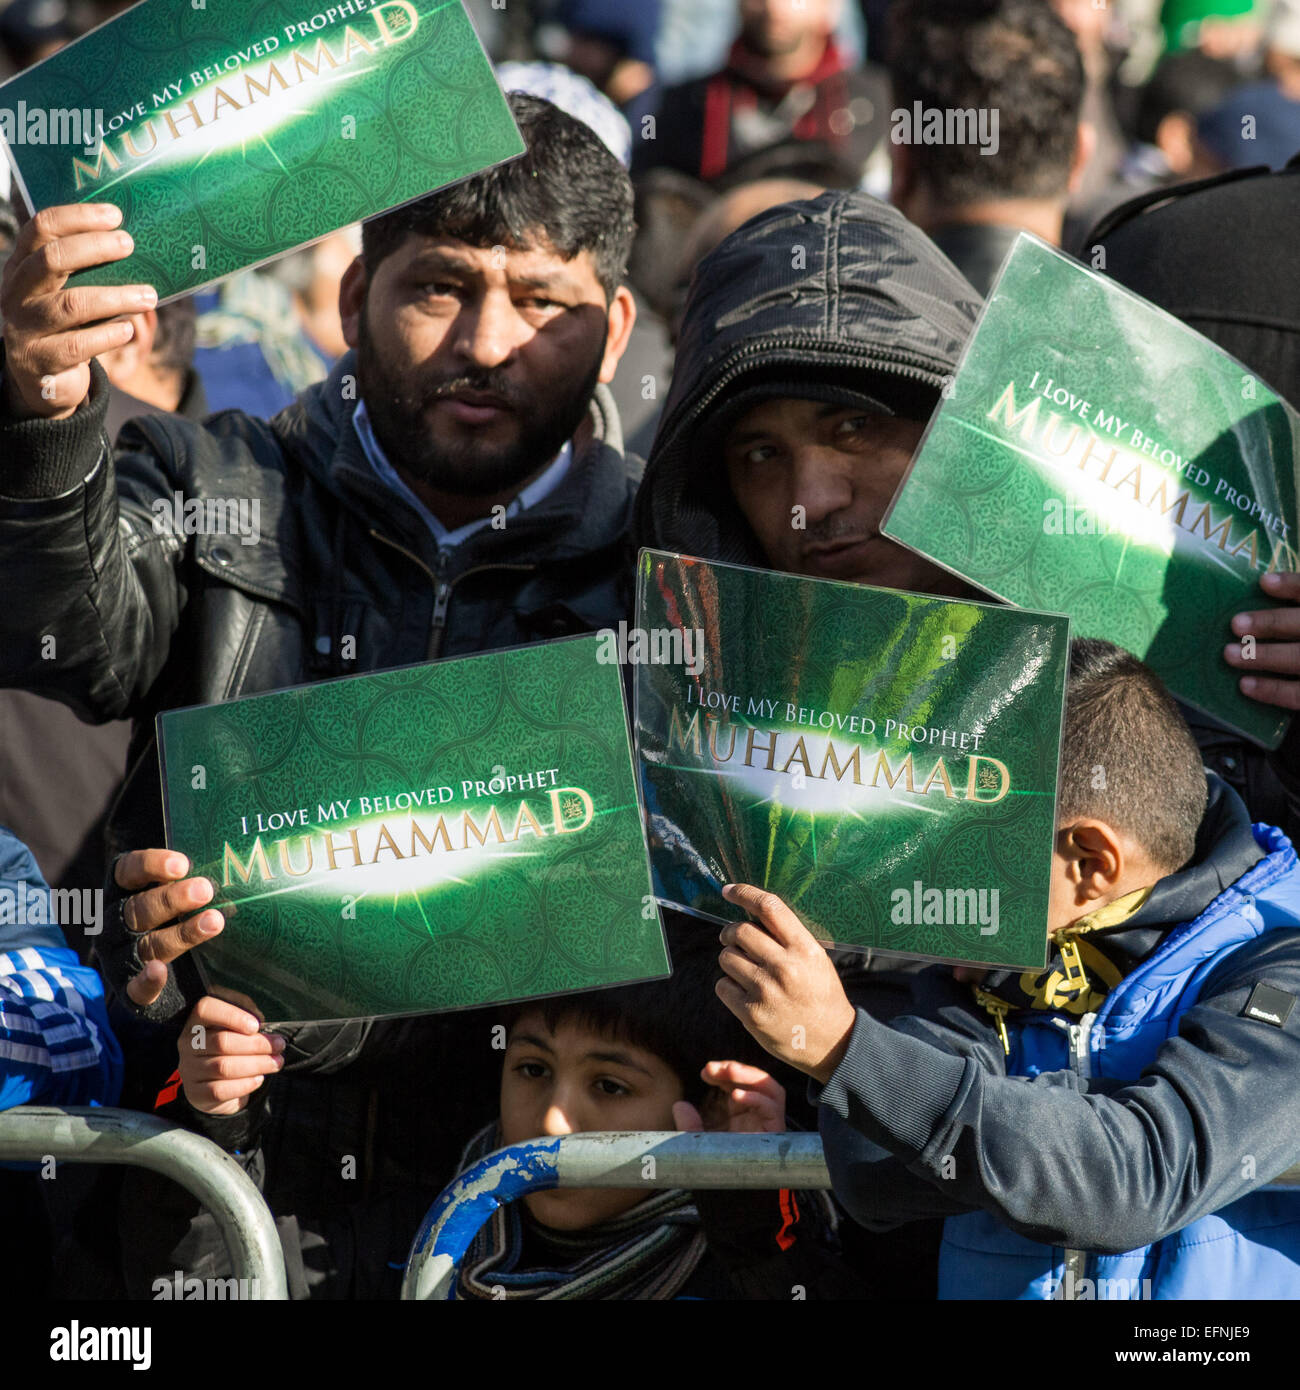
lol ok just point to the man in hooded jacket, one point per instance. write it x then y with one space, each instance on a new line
816 342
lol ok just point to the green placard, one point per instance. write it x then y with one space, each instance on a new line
1097 457
233 131
886 762
430 838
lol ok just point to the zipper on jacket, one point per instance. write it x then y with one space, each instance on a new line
999 1008
1080 1044
1076 1261
441 601
442 586
1073 1273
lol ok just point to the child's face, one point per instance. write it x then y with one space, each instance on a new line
575 1080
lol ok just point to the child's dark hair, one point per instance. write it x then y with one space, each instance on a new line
1127 755
680 1019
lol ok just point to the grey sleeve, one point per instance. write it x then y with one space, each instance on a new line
1098 1165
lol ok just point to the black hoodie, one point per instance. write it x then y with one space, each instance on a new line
836 298
842 298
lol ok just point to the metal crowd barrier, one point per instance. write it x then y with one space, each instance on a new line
649 1159
613 1160
646 1159
94 1134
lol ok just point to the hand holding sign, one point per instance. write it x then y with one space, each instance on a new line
1269 640
782 985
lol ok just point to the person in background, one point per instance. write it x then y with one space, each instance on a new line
787 100
612 45
33 30
266 334
1016 59
1094 29
1259 122
1183 87
1217 28
154 373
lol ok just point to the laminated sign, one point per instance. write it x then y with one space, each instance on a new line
1094 456
885 762
430 838
233 131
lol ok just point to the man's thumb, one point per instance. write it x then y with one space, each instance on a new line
145 988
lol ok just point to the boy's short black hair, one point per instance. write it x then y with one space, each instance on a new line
567 184
680 1019
1015 57
1127 755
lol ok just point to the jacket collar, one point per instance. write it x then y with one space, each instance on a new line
587 512
1226 849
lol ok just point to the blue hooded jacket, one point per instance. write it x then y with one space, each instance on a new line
1140 1133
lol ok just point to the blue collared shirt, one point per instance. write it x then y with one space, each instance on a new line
541 487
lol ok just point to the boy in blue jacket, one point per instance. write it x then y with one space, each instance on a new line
1104 1128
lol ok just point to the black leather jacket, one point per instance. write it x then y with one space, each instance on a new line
113 610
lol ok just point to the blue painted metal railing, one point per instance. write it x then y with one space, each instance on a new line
649 1159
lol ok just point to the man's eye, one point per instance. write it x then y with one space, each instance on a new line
440 288
535 303
534 1071
610 1087
856 424
761 453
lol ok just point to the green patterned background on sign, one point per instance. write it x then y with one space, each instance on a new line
1152 549
330 126
835 851
526 915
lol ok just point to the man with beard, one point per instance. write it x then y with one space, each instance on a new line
456 485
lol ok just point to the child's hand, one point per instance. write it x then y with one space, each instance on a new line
224 1056
755 1101
782 986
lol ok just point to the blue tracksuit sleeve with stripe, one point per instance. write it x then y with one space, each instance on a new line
56 1046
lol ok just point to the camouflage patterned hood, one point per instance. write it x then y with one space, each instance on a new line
839 297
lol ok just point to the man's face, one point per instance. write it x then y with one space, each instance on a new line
813 480
572 1081
778 27
477 364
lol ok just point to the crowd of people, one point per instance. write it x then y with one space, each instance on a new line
728 280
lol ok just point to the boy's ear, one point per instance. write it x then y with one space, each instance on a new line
1095 857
